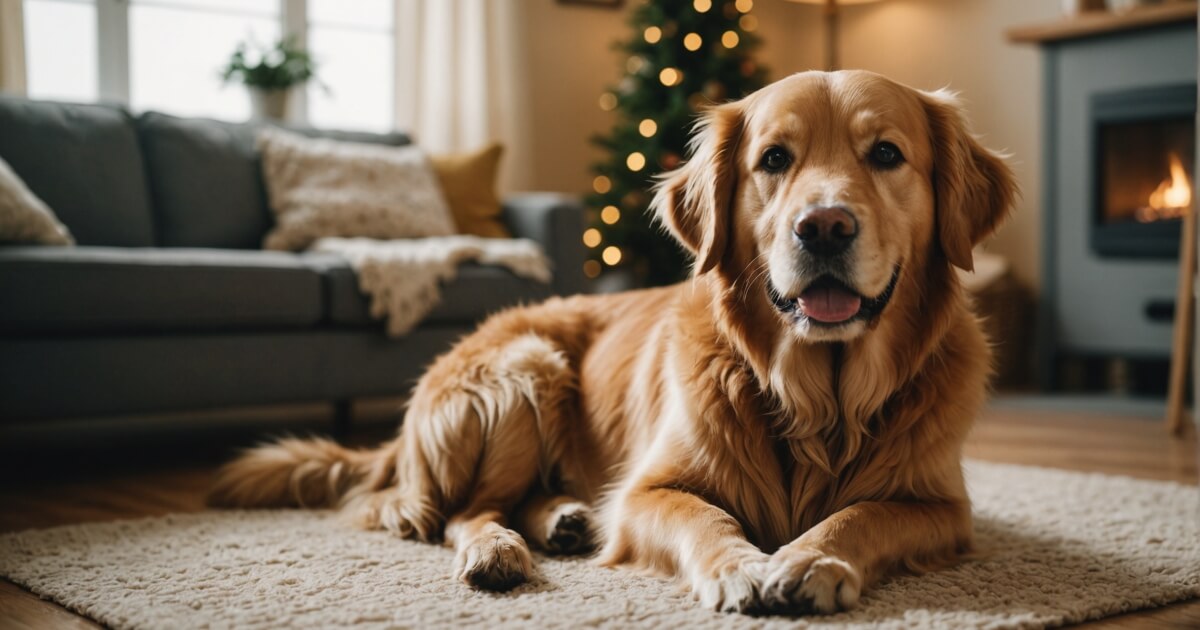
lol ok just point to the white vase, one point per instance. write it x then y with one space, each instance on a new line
268 104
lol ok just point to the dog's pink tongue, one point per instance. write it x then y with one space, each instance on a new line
829 304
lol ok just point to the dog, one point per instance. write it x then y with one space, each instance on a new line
778 432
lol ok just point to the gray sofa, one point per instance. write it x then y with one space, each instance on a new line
168 304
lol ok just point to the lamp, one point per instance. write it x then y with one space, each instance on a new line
831 27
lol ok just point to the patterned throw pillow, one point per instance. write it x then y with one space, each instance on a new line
23 217
320 187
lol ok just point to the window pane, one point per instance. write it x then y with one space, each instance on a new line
356 66
263 8
372 14
176 56
60 50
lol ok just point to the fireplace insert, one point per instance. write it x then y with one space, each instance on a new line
1145 155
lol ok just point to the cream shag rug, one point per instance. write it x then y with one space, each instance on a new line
1059 548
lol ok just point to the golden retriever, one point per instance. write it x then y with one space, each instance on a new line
778 432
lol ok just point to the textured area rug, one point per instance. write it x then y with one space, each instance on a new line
1057 547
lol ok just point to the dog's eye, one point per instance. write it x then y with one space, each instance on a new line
886 155
775 160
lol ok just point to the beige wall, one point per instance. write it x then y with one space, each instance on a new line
960 44
926 43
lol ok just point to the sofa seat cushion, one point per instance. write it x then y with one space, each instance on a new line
478 291
89 289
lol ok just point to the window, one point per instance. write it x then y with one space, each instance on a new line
60 49
352 42
166 55
177 48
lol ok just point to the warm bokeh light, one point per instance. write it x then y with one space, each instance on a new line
652 35
601 184
610 215
611 255
749 23
591 237
591 269
729 39
636 161
702 5
692 41
608 101
648 128
635 64
744 5
670 76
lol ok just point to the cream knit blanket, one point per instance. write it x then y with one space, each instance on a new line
403 277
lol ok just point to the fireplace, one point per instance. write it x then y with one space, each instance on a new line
1120 134
1145 154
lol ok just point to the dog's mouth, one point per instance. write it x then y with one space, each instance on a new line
828 301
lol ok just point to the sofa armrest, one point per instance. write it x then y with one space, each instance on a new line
556 222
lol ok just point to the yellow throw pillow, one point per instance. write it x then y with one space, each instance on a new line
469 185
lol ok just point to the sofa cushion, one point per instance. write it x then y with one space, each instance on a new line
206 178
84 161
478 291
89 289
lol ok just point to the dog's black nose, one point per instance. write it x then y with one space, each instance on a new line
826 231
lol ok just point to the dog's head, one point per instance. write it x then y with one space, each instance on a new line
828 188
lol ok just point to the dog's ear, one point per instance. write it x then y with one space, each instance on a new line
973 186
695 200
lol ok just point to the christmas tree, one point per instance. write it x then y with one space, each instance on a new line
685 56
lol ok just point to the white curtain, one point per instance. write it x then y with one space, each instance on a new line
12 47
460 79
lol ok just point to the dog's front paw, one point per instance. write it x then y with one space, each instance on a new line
732 589
807 580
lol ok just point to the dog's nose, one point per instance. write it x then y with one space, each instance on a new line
826 231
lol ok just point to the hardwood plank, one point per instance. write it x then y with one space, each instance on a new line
22 610
1094 23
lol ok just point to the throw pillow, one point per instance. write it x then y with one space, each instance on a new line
469 183
23 217
321 187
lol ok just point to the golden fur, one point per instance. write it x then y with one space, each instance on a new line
698 430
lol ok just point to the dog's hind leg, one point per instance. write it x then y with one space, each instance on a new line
480 434
558 524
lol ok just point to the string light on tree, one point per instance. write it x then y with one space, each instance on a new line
608 101
679 58
592 237
591 269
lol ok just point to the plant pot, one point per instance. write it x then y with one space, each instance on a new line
268 104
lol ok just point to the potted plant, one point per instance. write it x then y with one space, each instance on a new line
269 73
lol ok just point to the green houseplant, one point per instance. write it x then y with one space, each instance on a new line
269 73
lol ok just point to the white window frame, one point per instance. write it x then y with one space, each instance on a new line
112 56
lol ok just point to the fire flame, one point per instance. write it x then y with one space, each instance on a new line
1173 196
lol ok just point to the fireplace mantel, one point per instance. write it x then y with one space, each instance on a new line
1096 23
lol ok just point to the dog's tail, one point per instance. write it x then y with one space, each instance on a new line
301 473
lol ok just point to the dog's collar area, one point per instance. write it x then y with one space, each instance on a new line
870 308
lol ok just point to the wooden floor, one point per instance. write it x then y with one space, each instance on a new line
1099 442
